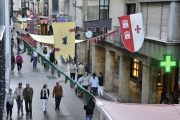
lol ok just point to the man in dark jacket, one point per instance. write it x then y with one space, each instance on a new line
89 109
52 57
28 95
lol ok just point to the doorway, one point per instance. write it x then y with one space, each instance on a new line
44 29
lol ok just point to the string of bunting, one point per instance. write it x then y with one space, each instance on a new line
111 34
87 94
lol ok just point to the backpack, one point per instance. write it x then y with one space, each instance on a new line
45 51
19 59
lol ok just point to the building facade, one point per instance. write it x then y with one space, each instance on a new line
161 23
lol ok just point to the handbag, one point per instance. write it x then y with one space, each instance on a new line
31 59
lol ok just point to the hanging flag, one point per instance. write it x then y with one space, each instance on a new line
64 39
32 26
132 31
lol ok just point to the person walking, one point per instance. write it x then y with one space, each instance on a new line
28 95
46 56
44 96
80 69
89 109
73 70
94 83
85 81
12 63
18 93
52 57
58 92
86 69
35 58
9 103
100 87
19 61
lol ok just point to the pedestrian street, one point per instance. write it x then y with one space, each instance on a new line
71 107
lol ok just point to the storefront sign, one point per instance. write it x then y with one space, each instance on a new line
167 63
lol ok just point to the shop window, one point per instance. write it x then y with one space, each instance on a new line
135 69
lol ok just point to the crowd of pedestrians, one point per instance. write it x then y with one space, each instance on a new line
26 94
85 79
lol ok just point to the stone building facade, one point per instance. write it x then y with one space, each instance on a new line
161 23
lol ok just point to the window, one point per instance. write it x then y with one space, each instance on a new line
104 9
135 69
98 9
24 4
131 9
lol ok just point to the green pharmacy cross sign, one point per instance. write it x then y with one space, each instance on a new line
167 63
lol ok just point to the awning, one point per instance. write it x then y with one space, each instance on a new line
122 111
24 19
48 39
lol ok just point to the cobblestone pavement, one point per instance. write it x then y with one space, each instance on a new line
71 107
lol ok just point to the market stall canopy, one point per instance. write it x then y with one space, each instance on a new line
121 111
35 17
24 19
48 39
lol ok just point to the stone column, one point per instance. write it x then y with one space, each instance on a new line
124 79
109 70
98 59
149 84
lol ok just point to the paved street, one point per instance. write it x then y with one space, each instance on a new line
71 107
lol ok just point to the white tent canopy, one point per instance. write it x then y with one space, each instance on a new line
24 19
48 39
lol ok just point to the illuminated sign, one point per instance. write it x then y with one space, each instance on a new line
167 63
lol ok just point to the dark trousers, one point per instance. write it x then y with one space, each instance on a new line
28 109
19 66
85 87
9 109
57 101
44 65
79 75
72 75
19 104
52 61
94 91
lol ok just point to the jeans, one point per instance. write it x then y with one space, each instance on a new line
9 109
34 62
28 109
19 66
94 91
89 117
72 75
57 101
19 104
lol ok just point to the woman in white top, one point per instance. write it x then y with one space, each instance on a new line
85 81
94 83
9 103
44 96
